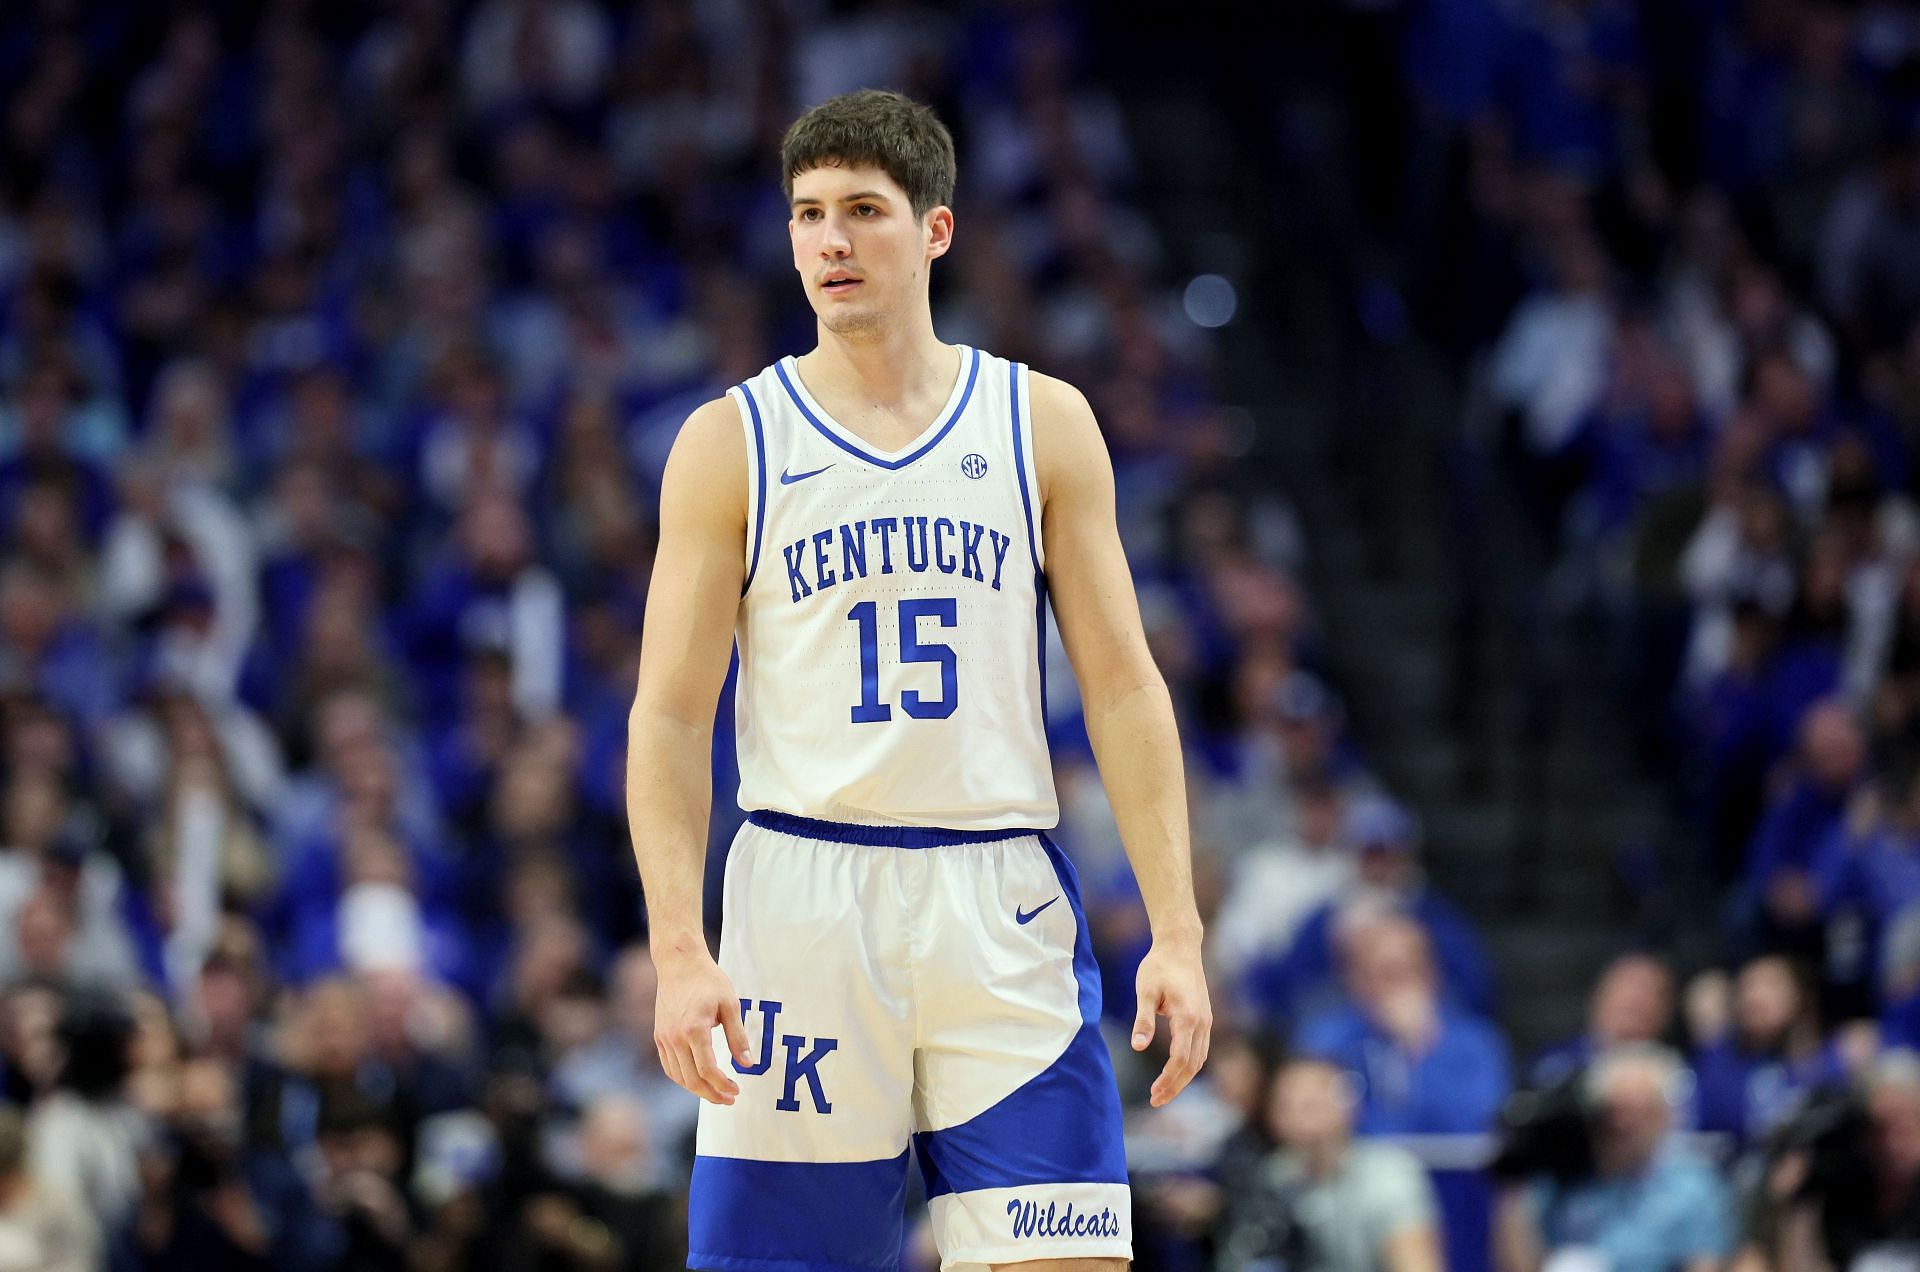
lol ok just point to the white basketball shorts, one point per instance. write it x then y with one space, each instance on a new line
903 985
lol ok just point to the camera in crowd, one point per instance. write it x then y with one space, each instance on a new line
1270 1238
1832 1131
1548 1131
95 1030
1850 1157
1611 1117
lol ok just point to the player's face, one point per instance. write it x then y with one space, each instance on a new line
860 251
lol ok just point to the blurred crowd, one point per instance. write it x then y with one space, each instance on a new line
341 346
1674 250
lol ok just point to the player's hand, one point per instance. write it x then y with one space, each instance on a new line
1172 983
695 995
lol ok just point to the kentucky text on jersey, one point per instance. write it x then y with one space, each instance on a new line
897 544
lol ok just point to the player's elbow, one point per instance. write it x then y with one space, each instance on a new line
1128 686
657 722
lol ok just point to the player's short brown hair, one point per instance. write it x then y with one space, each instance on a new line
880 129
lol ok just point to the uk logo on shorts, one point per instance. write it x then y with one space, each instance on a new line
974 465
799 1067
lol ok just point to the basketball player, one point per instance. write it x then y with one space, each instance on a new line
878 525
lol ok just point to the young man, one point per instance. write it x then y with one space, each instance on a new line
878 526
1357 1205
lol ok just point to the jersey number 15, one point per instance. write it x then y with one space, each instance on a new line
870 710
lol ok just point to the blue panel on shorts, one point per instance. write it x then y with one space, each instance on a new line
1085 969
754 1216
1062 1127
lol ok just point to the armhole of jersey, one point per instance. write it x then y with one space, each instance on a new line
1029 474
1022 412
756 477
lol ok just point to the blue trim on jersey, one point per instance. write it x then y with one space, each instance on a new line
1040 640
1033 542
1020 462
760 488
1060 1127
877 836
753 1216
973 372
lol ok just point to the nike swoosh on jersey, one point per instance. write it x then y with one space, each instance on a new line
1024 917
787 478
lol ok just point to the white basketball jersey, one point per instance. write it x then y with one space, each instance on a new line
890 633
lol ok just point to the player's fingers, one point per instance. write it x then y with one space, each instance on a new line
686 1055
707 1064
1180 1061
736 1031
677 1059
1147 1000
1202 1044
694 1046
1182 1056
669 1063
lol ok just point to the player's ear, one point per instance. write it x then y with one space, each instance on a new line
939 223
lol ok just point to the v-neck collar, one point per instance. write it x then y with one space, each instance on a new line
847 440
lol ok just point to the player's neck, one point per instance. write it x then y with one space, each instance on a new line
890 370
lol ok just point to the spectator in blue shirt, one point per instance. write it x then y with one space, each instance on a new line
1419 1063
306 524
49 650
1571 84
1651 1204
1900 980
1780 867
1387 838
1633 1003
1756 1077
43 419
1870 864
468 751
490 592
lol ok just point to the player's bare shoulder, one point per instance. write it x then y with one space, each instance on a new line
1067 445
712 434
706 474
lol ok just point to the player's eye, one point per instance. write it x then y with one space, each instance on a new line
865 207
808 214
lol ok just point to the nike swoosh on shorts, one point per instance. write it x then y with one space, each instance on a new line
1024 917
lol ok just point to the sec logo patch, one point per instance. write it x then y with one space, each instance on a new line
974 465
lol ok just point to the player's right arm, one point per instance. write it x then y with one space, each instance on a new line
686 644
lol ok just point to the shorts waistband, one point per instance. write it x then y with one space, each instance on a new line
880 836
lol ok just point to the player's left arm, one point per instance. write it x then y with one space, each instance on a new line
1129 716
